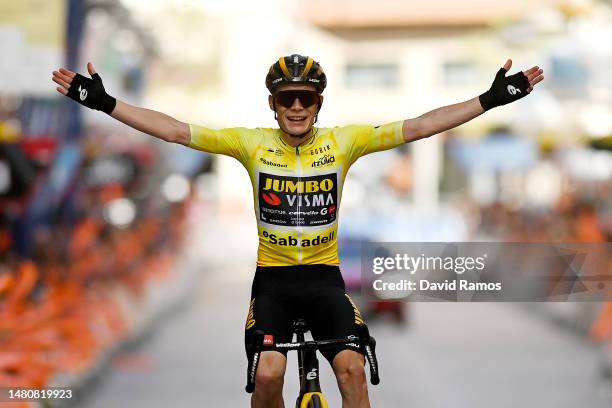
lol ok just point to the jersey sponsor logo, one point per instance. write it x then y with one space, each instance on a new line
292 241
271 163
319 150
298 201
268 340
324 161
295 185
277 152
313 200
271 199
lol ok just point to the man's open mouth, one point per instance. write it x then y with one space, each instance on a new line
296 118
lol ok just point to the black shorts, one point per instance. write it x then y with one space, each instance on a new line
316 293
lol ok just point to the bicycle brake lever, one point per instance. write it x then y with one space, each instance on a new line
371 356
369 345
255 347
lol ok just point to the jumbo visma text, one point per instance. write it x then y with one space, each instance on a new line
289 186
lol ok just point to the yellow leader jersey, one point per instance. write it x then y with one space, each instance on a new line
297 190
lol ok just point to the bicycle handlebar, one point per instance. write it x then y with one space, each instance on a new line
366 342
309 344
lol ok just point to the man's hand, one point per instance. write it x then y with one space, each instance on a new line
88 92
507 89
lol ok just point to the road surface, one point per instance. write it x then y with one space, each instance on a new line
451 355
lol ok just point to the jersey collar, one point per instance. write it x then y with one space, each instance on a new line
288 147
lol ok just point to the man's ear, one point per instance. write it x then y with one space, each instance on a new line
320 102
271 102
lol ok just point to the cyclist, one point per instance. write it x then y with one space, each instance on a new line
297 171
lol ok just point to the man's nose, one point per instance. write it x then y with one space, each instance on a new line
297 104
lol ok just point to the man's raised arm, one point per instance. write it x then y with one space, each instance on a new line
505 89
91 93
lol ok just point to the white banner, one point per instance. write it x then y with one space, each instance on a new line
32 41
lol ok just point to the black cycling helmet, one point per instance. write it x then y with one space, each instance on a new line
295 69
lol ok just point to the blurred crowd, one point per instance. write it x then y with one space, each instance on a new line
581 213
571 220
73 292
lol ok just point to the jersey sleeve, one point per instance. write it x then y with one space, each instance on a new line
362 140
232 142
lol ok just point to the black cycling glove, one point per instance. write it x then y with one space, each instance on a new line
505 89
90 92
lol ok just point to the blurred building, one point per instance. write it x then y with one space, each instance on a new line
395 60
41 131
383 64
385 61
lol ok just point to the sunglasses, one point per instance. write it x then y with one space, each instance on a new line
286 98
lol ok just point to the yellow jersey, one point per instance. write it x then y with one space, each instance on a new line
297 190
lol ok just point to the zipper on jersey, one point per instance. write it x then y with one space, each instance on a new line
299 202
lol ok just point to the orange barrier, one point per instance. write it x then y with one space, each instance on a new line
7 282
16 405
26 278
58 317
602 328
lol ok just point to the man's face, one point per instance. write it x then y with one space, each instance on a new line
296 106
